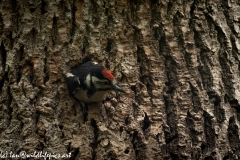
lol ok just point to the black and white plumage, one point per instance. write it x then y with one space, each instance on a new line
90 82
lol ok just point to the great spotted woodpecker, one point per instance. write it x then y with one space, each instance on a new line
90 82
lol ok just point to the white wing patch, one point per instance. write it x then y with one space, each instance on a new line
88 80
69 74
95 63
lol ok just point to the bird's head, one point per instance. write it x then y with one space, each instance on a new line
106 81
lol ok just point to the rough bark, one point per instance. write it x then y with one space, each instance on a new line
177 60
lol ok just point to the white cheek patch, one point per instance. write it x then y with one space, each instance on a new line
114 82
100 83
96 80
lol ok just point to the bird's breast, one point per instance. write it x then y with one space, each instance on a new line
96 97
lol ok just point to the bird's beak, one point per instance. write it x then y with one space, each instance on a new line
117 88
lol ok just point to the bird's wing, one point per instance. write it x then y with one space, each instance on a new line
73 83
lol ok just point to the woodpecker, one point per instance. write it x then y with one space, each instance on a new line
90 82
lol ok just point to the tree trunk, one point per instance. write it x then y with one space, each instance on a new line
177 60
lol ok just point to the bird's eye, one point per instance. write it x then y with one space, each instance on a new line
106 83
